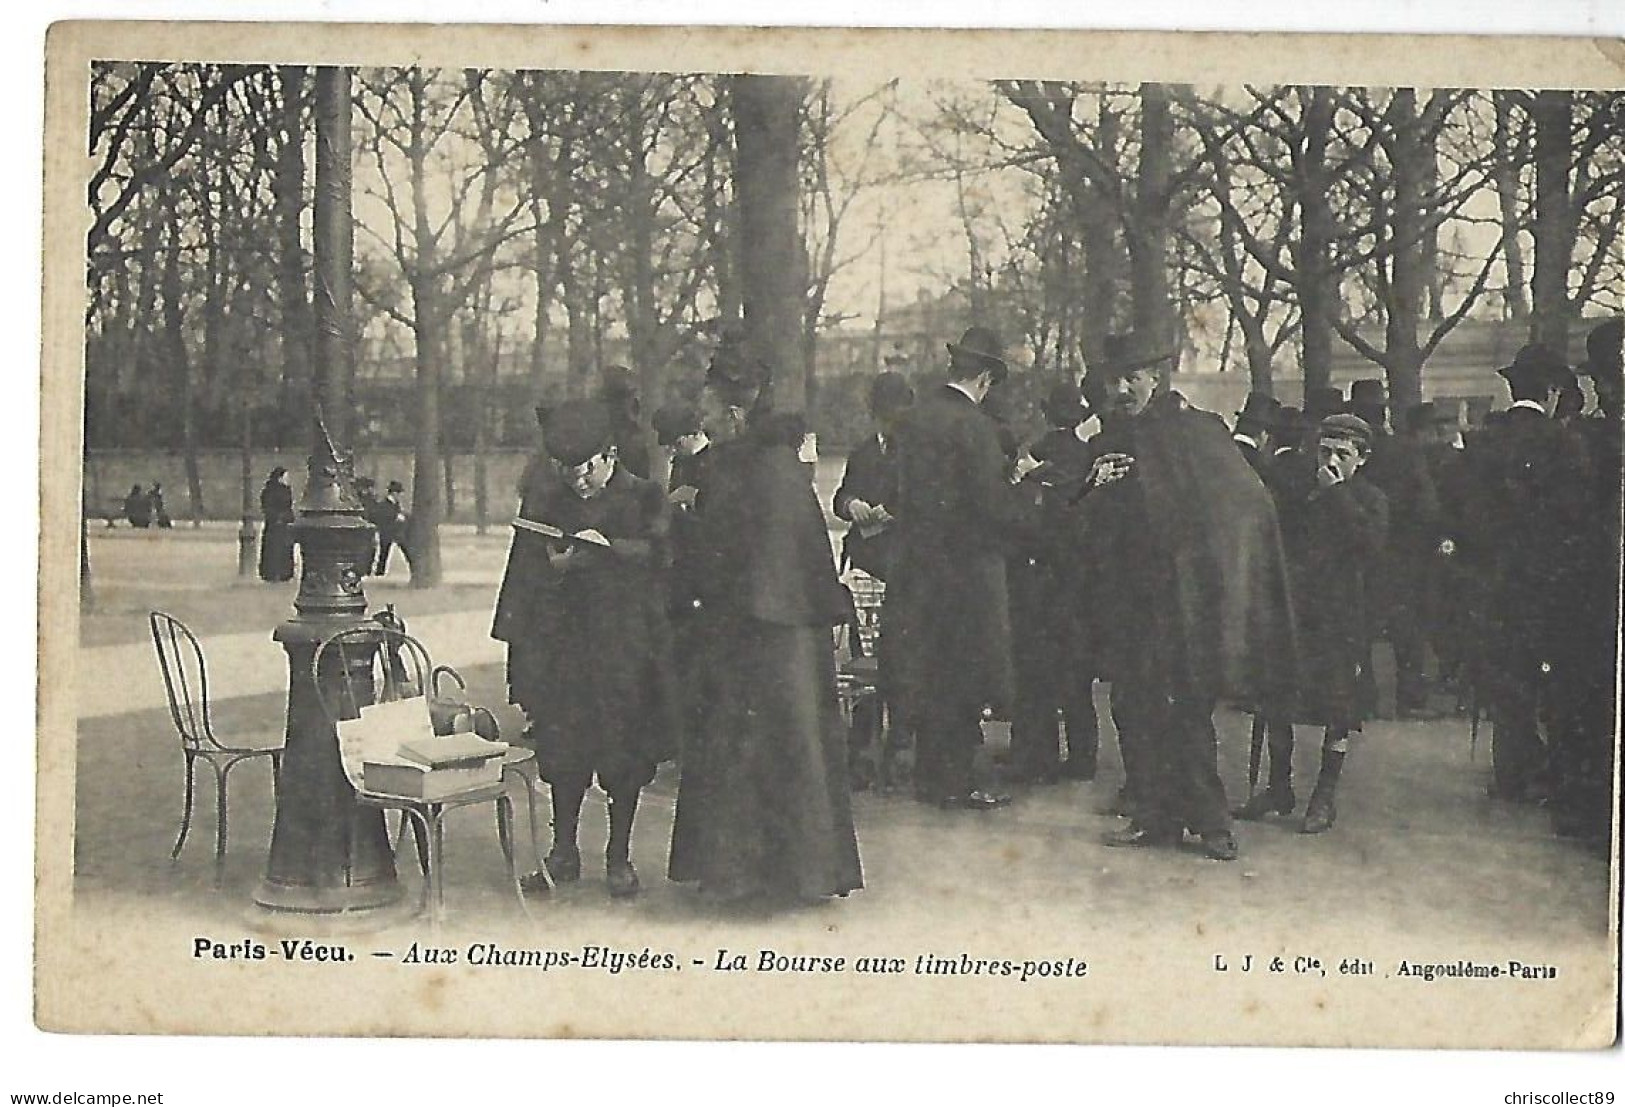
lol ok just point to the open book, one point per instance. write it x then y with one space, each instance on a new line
548 531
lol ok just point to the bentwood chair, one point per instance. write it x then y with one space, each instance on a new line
518 766
857 682
186 684
369 665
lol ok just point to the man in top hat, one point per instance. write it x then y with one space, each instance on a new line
1530 493
1252 433
584 618
1286 431
1582 733
1054 672
1399 578
869 482
1189 594
947 601
1333 523
1320 401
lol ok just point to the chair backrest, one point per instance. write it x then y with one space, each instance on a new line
186 678
363 667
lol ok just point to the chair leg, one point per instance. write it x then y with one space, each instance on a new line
276 775
420 839
531 781
220 776
186 804
437 874
505 839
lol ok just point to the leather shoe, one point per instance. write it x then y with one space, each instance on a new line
622 878
563 866
1320 815
1268 802
1140 836
976 800
535 884
1220 845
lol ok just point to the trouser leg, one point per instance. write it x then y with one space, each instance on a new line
1410 652
567 796
1197 792
1139 714
961 728
623 810
1515 745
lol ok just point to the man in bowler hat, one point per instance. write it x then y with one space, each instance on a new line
947 600
1189 601
1252 433
1529 485
584 618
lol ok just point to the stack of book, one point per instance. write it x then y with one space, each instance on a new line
436 768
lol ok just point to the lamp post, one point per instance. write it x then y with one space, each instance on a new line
328 853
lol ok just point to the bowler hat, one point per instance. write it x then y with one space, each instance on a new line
1064 405
1322 400
889 392
1258 409
1288 425
734 370
576 430
674 421
1421 415
1367 392
1603 353
1126 353
1350 427
1536 364
396 486
980 347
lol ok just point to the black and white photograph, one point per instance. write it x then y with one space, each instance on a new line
831 535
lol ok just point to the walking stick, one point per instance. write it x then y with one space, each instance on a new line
1255 754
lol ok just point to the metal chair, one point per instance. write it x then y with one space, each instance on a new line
519 764
369 665
186 683
857 682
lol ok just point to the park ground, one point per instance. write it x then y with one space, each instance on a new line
1421 859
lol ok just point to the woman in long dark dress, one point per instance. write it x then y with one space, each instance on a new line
276 540
763 808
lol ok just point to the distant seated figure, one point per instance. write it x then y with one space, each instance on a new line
137 508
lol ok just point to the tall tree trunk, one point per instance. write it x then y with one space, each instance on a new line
1317 293
1103 262
1509 159
1154 314
766 112
288 201
180 364
1408 284
423 533
1555 218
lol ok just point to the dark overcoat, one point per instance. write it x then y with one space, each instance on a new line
589 650
947 602
1401 574
870 476
1332 537
1186 576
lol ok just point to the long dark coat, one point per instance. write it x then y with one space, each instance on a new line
870 476
1530 490
763 803
1331 536
947 602
276 540
1183 561
589 647
1401 574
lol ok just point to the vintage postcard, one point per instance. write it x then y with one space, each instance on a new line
830 534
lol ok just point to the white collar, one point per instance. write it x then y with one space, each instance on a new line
1247 438
1531 404
956 385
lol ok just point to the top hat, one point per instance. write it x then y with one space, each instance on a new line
1122 354
1322 400
980 347
1258 410
733 370
1603 353
1287 425
1536 365
1064 406
577 430
396 486
1367 392
889 392
1345 426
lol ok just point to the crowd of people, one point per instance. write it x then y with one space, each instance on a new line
386 513
670 591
